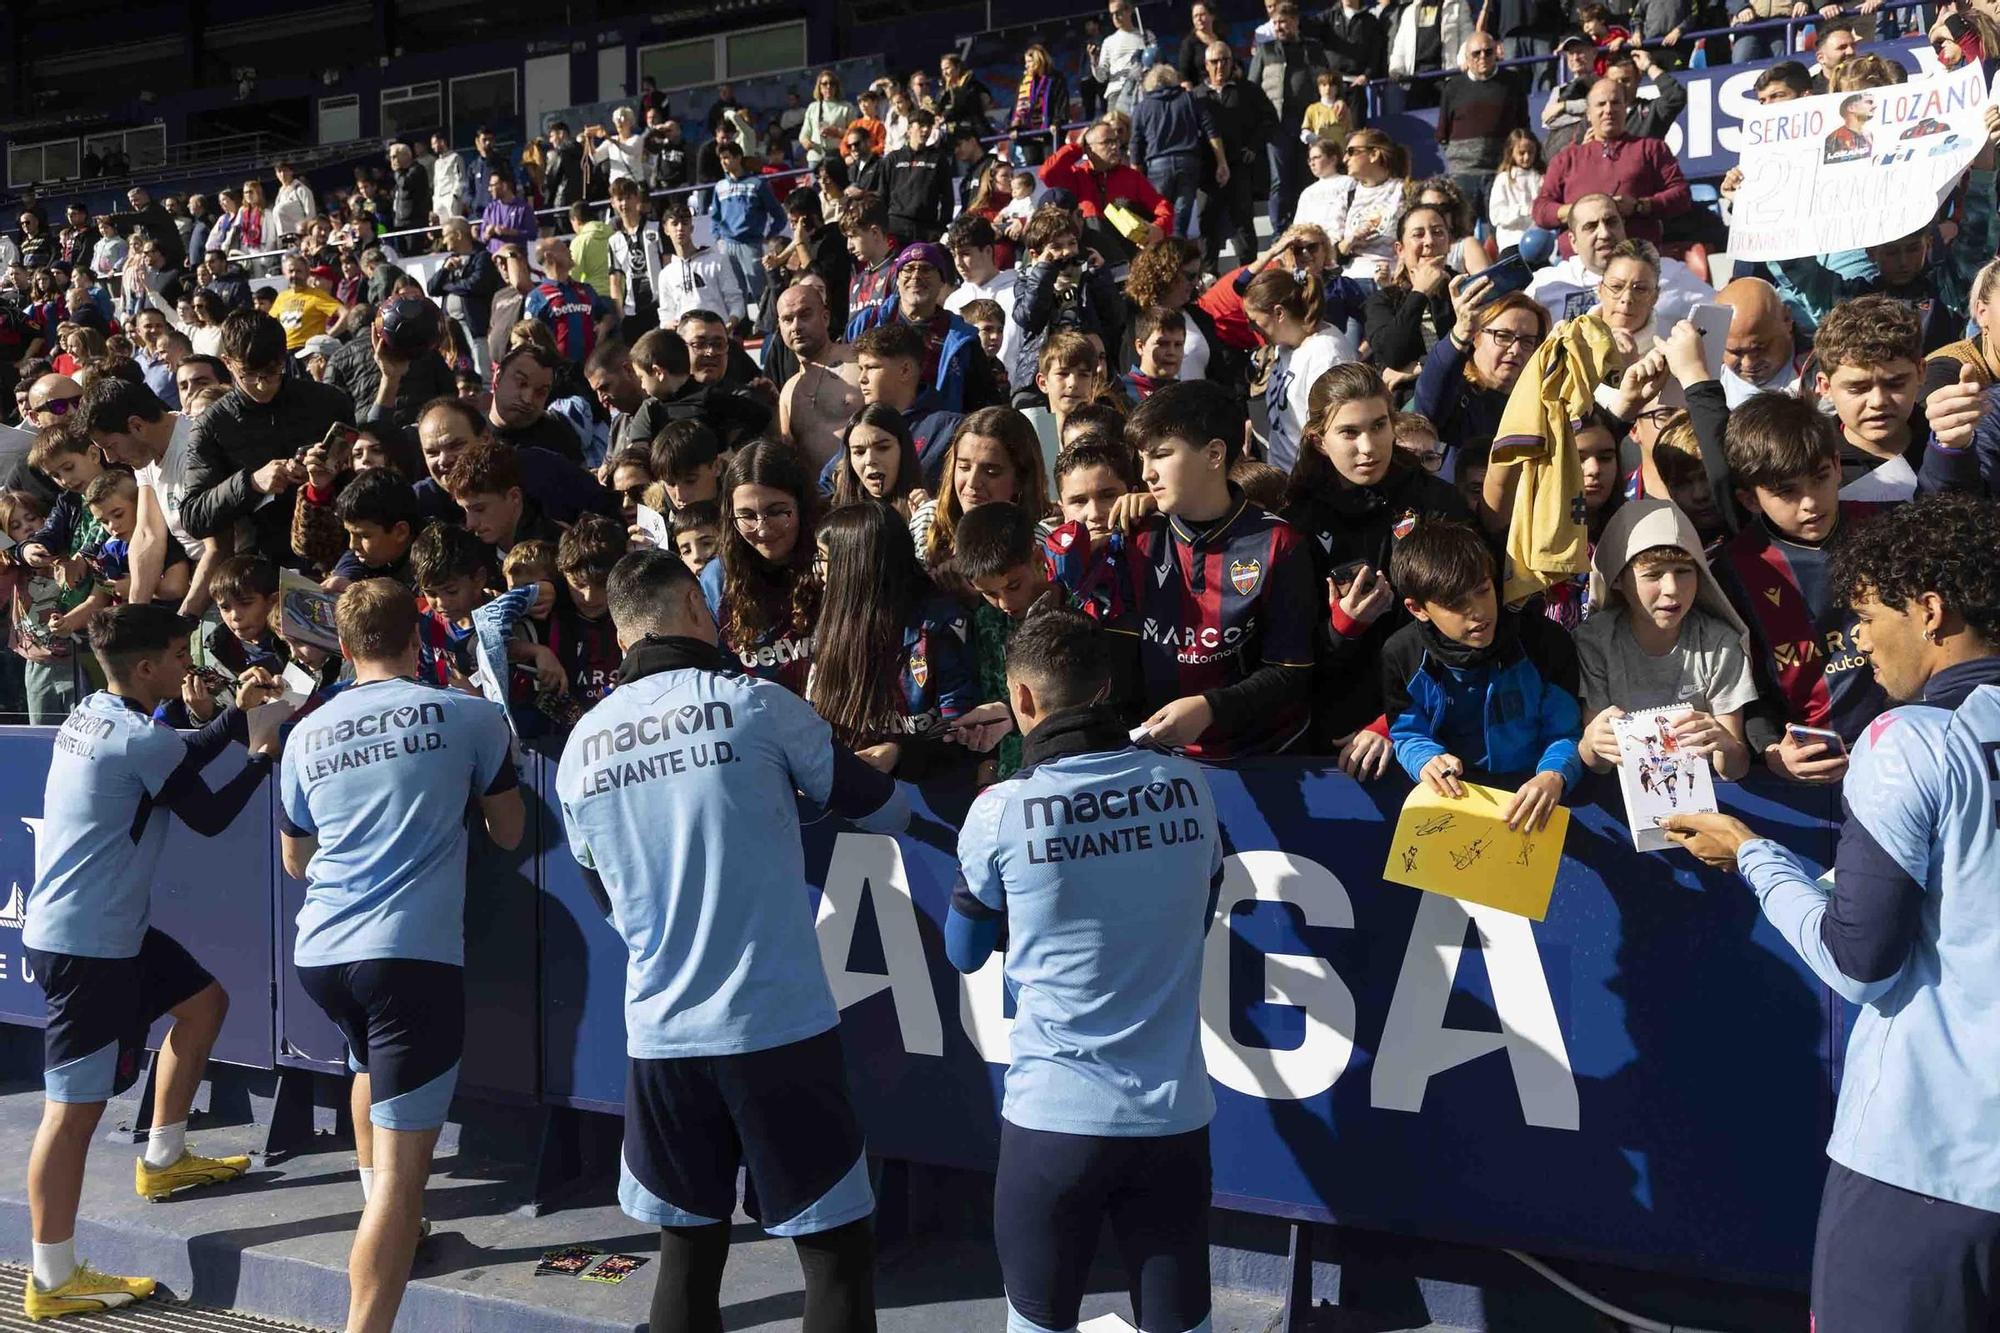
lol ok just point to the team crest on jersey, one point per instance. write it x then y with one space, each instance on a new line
1243 575
920 670
1405 524
1064 538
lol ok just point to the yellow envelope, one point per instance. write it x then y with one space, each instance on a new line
1464 849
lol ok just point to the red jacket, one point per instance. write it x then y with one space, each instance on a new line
1068 169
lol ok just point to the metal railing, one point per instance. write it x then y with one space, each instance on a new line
562 213
1790 24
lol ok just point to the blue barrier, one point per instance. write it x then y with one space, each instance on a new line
1705 139
1645 1078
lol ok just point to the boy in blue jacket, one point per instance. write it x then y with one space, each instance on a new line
744 212
1470 685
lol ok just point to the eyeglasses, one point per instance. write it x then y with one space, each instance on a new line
1483 53
1938 44
1622 289
1352 152
774 517
1658 416
1432 459
1507 339
57 407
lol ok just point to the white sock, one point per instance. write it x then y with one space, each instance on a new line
54 1263
165 1144
367 1183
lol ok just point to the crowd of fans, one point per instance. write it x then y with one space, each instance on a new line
1351 494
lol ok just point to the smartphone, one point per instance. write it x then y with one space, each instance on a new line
1344 575
1713 321
339 441
1511 274
1809 735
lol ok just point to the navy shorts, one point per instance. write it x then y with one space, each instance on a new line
1054 1192
404 1021
783 1114
1888 1260
100 1010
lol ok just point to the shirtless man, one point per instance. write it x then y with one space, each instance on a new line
815 405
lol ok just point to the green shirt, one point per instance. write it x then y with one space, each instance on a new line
590 250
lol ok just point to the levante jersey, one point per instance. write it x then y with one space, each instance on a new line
678 790
1213 606
99 846
1104 864
570 310
380 776
1803 642
782 658
939 681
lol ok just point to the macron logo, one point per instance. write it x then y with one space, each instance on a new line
1163 572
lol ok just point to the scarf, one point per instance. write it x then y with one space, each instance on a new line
669 652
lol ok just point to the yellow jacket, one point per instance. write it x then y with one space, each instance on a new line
1546 537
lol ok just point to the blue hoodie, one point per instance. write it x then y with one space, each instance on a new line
745 209
1168 122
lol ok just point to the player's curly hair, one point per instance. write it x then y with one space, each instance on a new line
1946 544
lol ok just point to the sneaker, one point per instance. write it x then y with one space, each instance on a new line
87 1292
156 1183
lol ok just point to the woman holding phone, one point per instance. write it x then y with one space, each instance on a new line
1468 374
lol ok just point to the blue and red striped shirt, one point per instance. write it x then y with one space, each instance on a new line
570 310
1803 641
1212 604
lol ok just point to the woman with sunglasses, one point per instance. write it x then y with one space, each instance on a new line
1465 380
1165 274
763 591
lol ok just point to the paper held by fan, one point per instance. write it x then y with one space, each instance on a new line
1657 777
1462 848
1846 170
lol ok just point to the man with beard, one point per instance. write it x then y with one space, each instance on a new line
1596 228
954 365
1761 354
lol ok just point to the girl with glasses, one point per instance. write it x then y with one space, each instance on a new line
763 591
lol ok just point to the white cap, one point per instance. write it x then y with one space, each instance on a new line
320 344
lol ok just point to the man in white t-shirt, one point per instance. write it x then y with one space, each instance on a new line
1569 289
129 423
970 242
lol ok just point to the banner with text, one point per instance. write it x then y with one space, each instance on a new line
1845 170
